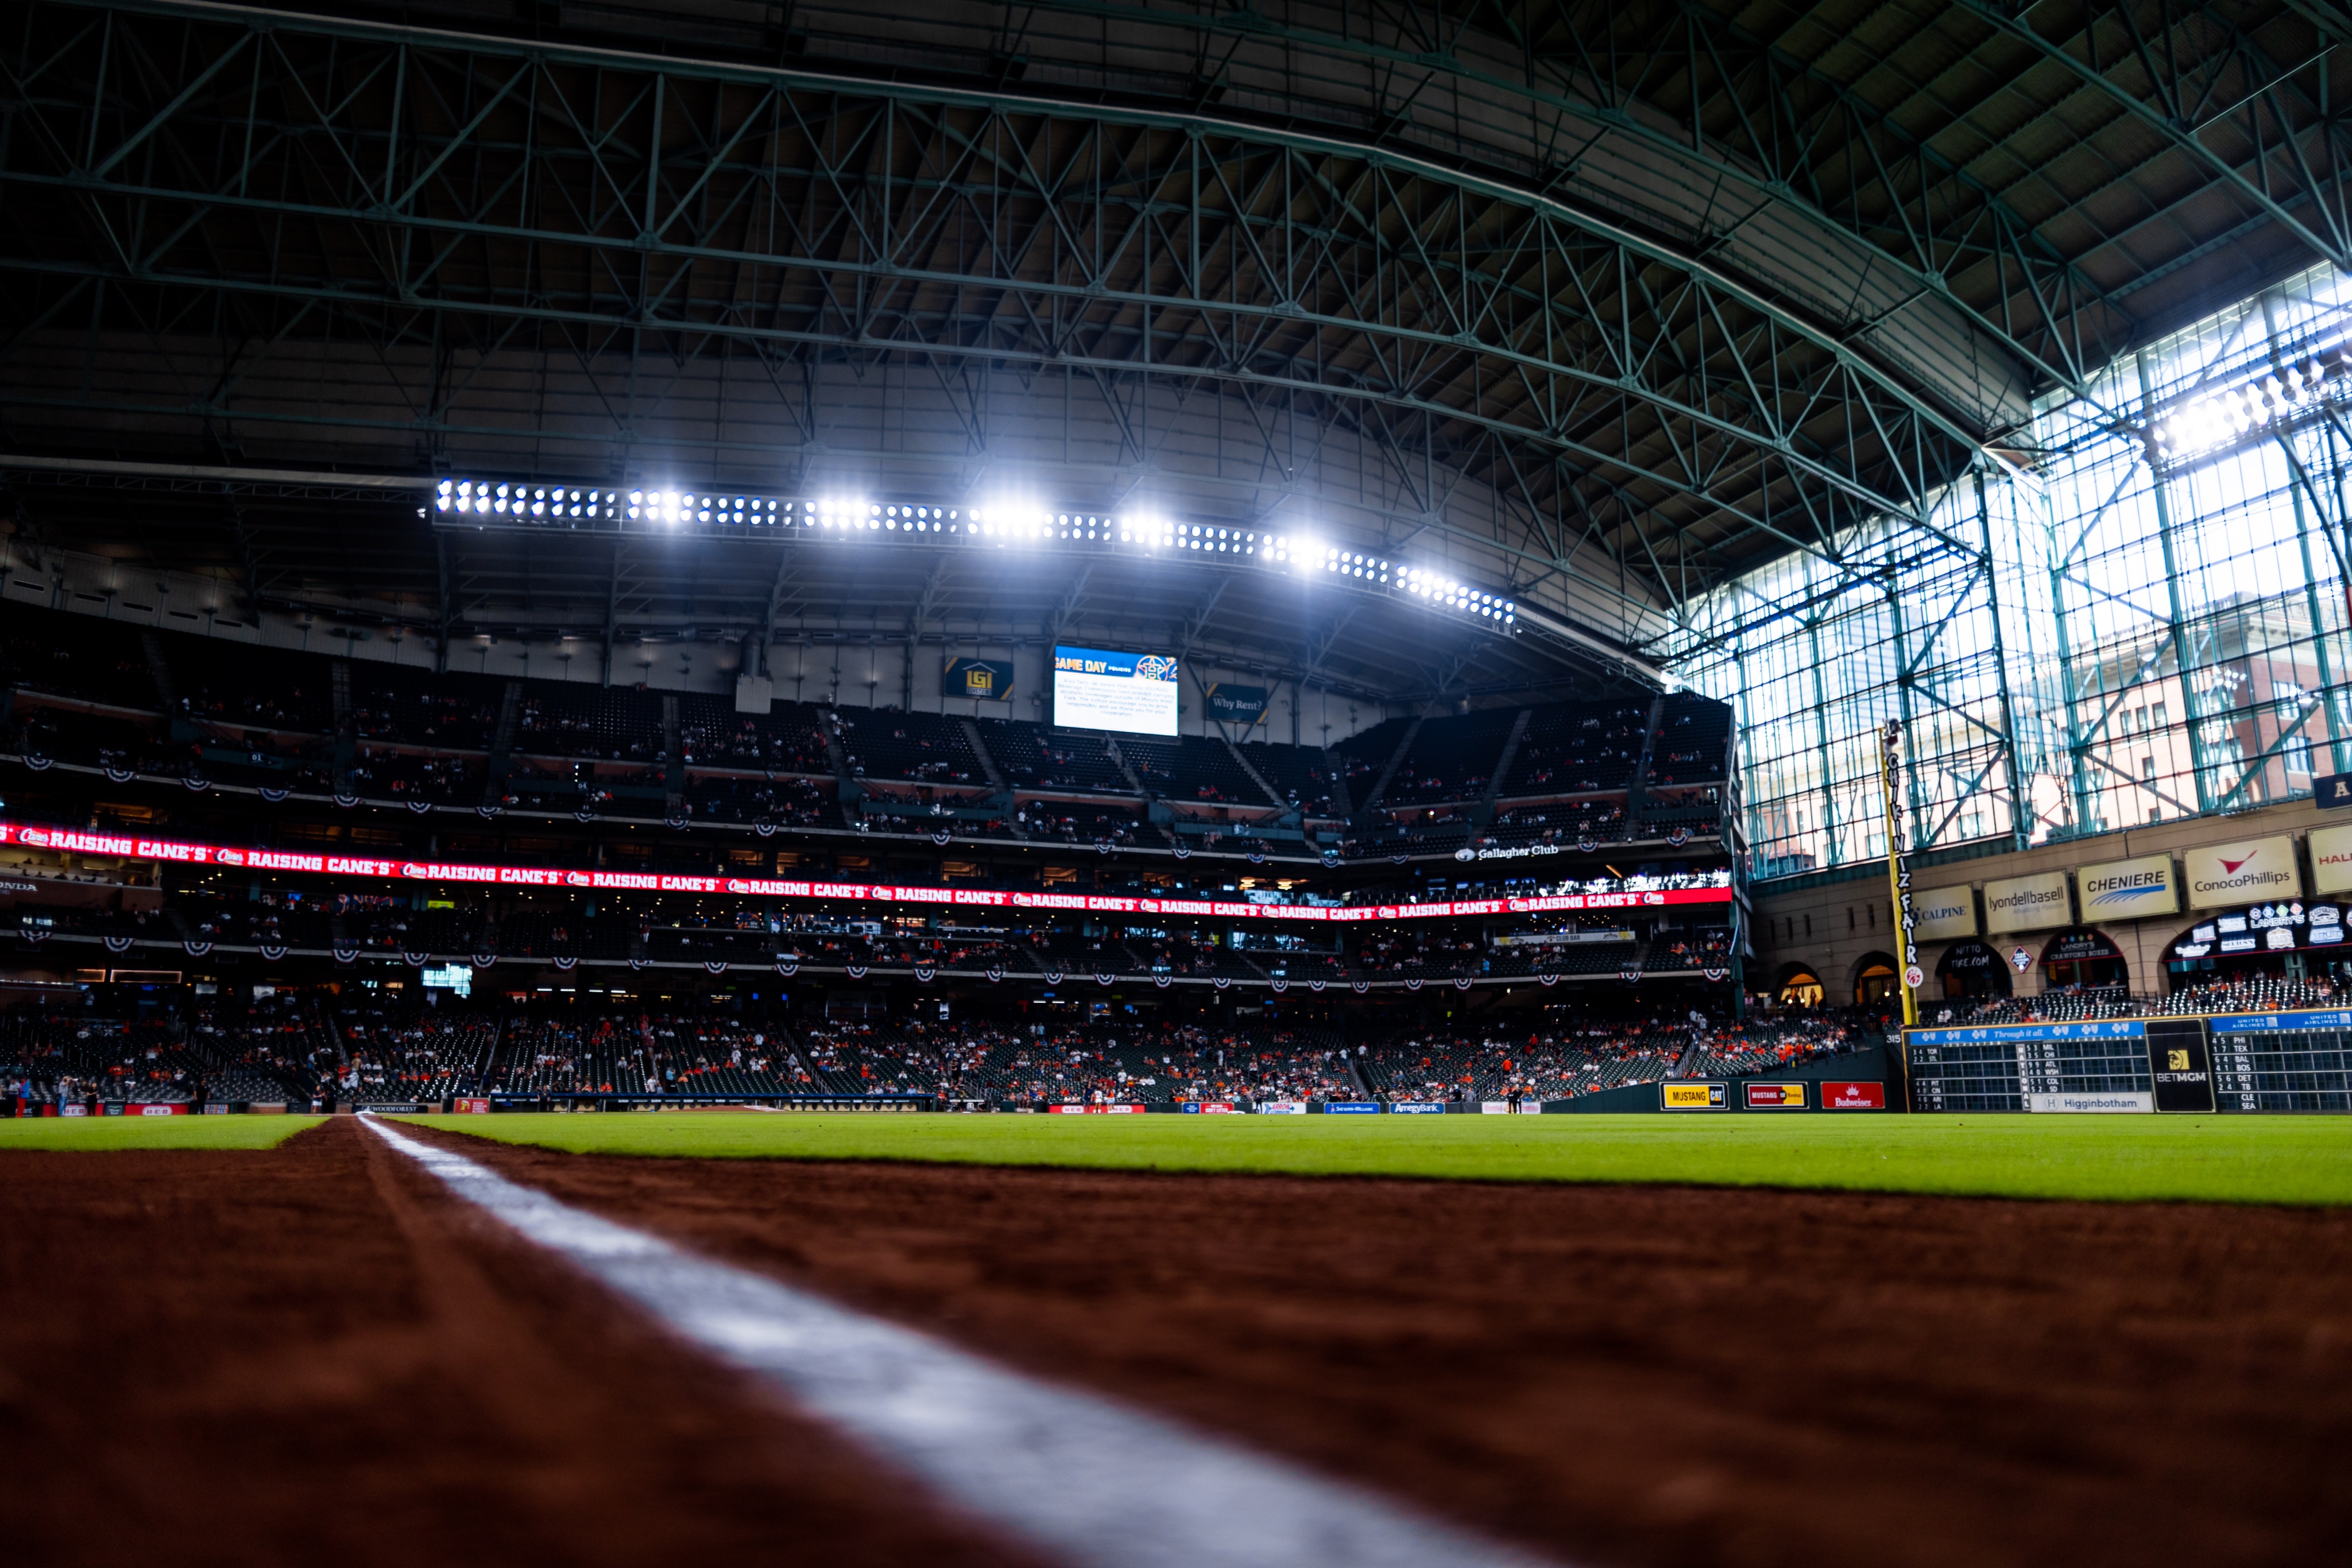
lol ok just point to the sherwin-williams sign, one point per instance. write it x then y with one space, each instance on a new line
2248 871
2331 860
2034 902
1943 914
2129 890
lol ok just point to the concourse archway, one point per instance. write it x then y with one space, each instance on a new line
1874 979
2080 958
1973 969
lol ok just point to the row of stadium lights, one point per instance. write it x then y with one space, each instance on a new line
2217 419
554 504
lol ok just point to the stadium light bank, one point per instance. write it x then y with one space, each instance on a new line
488 503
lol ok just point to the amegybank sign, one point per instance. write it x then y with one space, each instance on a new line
2247 872
2034 902
2129 890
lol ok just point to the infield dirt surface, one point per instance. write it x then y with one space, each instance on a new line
316 1353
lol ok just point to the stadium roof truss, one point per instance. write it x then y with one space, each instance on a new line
1597 307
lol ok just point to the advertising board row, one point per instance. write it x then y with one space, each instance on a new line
1690 1095
1787 1094
2211 876
169 851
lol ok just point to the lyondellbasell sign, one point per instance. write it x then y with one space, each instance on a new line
2033 902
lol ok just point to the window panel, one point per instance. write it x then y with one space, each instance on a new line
2130 641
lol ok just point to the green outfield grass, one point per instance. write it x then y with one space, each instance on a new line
2232 1159
102 1134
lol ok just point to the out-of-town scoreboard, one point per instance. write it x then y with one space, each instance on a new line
2107 1064
2283 1061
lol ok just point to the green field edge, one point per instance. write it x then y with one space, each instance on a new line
2175 1159
111 1134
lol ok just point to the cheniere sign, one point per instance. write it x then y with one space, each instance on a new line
2129 890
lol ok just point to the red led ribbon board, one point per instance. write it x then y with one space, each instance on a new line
128 846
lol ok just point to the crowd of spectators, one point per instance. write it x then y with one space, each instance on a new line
379 1047
693 929
291 722
217 1052
2253 993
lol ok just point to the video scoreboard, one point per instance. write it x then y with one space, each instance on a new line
2108 1064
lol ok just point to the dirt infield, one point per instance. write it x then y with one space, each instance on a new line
1635 1375
287 1355
313 1355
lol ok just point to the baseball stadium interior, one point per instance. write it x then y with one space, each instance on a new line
921 575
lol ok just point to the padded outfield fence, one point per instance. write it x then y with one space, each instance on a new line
2238 1062
1848 1081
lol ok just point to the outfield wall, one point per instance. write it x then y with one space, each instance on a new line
1801 1089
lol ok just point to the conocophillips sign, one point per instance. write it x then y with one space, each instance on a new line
2033 902
2129 890
2247 872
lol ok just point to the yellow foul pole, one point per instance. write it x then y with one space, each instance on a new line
1898 874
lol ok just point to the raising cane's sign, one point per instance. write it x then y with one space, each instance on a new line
137 847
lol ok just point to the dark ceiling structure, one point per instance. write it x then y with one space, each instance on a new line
1593 305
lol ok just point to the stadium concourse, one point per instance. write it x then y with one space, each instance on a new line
1158 784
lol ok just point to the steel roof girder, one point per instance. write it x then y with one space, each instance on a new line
1388 157
1697 414
2335 248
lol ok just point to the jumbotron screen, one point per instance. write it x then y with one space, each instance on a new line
1134 693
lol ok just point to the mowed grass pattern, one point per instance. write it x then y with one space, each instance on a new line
103 1134
2226 1159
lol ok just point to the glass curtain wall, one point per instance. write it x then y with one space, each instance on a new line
2147 620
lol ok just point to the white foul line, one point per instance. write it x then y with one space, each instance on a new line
1090 1480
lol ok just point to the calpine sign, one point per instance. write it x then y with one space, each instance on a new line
1944 913
2248 871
